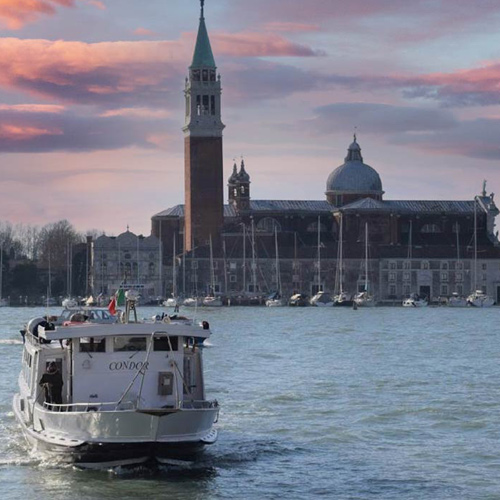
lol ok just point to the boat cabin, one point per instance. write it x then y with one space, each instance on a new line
118 366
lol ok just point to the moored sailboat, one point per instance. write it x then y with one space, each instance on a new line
342 299
414 299
276 299
365 298
211 300
321 298
478 298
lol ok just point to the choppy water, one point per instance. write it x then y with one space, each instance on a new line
385 403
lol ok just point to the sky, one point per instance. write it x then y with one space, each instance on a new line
92 105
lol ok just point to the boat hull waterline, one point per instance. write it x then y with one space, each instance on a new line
116 443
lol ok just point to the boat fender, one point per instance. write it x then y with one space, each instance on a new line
206 325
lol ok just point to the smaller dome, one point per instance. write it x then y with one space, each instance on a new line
354 176
234 176
243 176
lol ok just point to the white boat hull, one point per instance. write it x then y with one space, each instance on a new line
482 302
171 303
275 303
212 302
457 302
97 439
415 303
365 302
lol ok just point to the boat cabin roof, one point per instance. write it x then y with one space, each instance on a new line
76 331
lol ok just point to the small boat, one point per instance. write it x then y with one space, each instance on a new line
364 299
69 302
192 302
212 301
275 300
298 300
456 301
322 299
152 406
414 300
343 300
480 299
171 302
80 314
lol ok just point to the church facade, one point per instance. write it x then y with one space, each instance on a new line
434 248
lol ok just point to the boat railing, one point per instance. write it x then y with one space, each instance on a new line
90 406
123 405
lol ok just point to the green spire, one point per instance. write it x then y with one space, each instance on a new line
203 56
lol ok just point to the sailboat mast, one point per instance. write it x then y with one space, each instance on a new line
244 257
319 253
212 272
160 263
278 281
254 266
341 264
1 270
366 257
174 270
475 244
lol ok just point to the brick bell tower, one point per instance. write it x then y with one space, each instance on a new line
204 190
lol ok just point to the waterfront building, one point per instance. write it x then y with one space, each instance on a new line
126 261
419 246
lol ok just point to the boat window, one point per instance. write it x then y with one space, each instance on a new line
129 344
65 315
161 343
92 344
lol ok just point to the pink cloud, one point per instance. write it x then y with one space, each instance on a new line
23 133
464 87
131 73
38 128
14 14
291 27
147 113
251 44
97 4
144 32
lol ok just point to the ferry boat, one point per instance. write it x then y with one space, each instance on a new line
115 394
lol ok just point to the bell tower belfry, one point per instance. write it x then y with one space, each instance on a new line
204 191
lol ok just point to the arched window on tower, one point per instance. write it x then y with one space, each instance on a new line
267 225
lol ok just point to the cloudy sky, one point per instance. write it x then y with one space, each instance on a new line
91 102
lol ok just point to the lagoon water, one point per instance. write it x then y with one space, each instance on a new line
384 403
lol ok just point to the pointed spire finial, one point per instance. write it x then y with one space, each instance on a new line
202 8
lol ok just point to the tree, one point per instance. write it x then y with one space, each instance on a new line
54 244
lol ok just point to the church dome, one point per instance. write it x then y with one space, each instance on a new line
354 176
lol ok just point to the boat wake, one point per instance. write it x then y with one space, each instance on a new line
11 342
